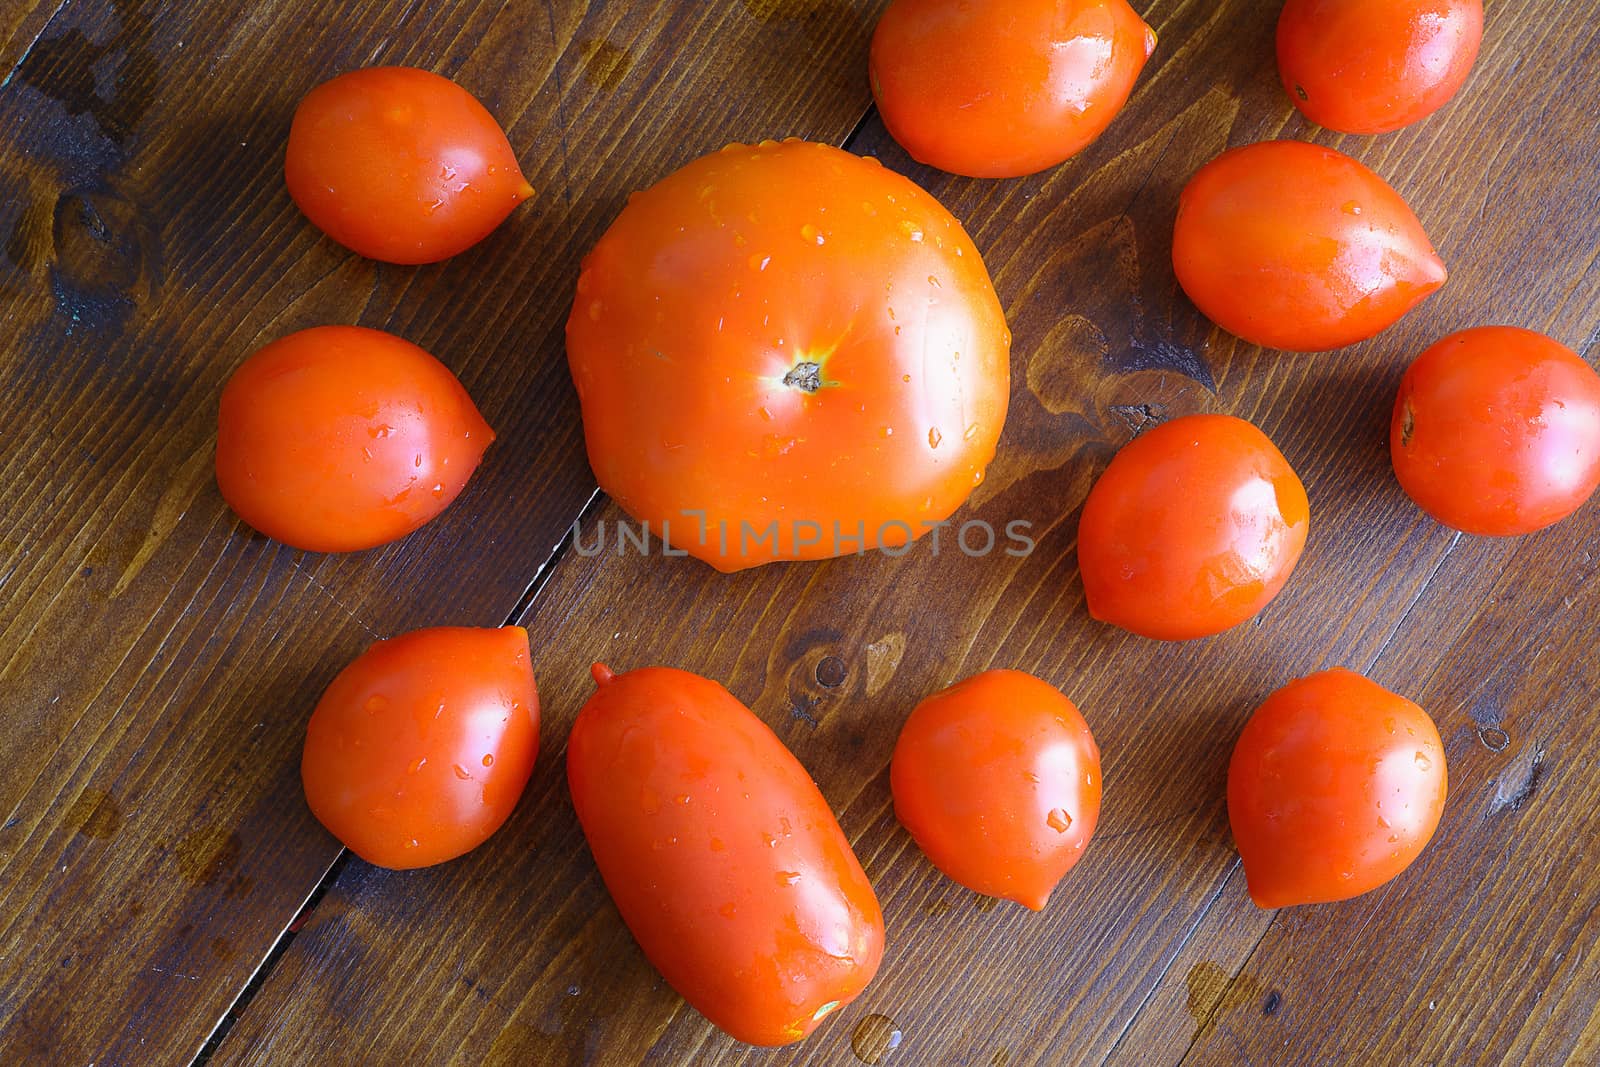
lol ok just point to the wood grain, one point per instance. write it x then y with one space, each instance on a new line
1150 951
157 659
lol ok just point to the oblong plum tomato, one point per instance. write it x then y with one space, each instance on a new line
1371 66
785 351
1295 246
421 747
998 780
721 854
1192 529
1002 88
1496 431
401 165
340 438
1335 786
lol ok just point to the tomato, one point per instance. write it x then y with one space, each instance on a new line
1295 246
421 747
1192 529
998 780
785 351
1371 66
1002 88
340 438
721 855
1497 431
401 165
1335 786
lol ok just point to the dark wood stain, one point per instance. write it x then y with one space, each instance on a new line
150 641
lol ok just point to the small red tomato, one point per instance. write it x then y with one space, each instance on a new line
1371 66
1335 786
401 165
1295 246
721 854
1002 88
1497 431
421 747
1192 529
998 780
340 438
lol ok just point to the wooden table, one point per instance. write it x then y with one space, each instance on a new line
164 892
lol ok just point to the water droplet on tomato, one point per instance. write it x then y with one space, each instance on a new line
417 765
1059 820
376 704
812 234
1352 208
934 282
971 432
488 759
1422 762
888 431
934 437
788 878
682 798
759 263
461 773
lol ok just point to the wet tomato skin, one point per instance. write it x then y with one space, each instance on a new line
341 438
1496 431
786 351
1335 786
401 165
419 749
1003 88
1193 528
1371 66
997 778
721 854
1294 246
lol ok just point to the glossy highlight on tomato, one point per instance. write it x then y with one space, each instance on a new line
1294 246
340 438
998 779
785 351
721 854
1371 66
1336 785
1003 88
1192 529
419 749
1496 431
401 165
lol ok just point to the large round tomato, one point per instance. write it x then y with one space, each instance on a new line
1001 88
1371 66
1295 246
421 747
401 165
785 351
340 438
998 780
1497 431
1193 528
1335 786
721 855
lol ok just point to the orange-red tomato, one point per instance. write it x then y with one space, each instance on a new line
998 780
401 165
1371 66
1496 431
1295 246
1193 528
421 747
722 856
340 438
1001 88
1335 786
785 351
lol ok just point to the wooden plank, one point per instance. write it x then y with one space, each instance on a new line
514 954
158 660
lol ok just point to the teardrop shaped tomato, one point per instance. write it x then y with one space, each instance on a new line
721 854
1371 66
401 165
421 747
1295 246
340 438
998 780
1002 88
